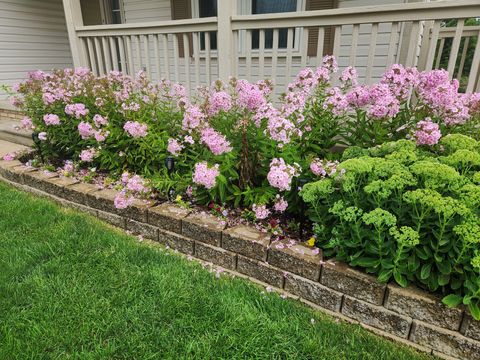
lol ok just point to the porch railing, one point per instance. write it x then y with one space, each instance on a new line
277 46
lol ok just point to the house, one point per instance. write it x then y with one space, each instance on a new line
197 41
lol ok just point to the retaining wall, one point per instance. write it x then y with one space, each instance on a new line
408 315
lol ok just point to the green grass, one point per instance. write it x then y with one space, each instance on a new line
72 287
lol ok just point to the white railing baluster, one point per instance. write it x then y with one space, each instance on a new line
475 67
98 52
91 56
274 53
176 57
432 46
413 44
261 54
113 47
235 55
146 51
371 53
462 59
123 57
248 55
320 42
207 58
186 60
106 54
439 54
166 58
157 56
288 72
138 53
452 60
393 43
336 41
196 54
131 63
304 47
353 48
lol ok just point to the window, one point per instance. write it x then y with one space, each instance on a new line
208 8
268 7
116 11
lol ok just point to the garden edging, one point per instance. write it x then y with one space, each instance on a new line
409 315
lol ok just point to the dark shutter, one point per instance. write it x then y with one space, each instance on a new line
181 9
329 30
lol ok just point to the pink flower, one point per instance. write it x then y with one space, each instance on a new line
323 168
215 141
135 129
281 204
192 118
51 119
42 136
122 200
68 167
99 120
261 211
101 136
174 147
336 101
281 174
9 157
428 132
349 77
136 185
26 123
249 96
87 155
77 110
205 175
85 130
219 101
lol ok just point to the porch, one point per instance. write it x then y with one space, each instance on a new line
197 51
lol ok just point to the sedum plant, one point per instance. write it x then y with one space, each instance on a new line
408 213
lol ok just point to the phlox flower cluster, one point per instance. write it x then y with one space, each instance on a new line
205 175
281 174
427 133
174 146
133 186
261 211
216 142
135 129
280 204
51 119
323 168
77 110
219 101
88 155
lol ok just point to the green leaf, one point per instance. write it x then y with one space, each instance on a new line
474 310
452 300
425 272
400 279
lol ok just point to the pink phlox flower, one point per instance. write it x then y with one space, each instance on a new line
428 132
135 129
216 142
51 119
261 211
205 175
174 147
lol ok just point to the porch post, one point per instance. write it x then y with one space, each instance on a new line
73 18
225 50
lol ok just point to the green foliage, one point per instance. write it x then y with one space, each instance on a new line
407 214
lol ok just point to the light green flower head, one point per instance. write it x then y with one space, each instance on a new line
314 191
454 142
469 230
405 236
379 218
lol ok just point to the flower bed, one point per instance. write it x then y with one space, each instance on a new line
229 147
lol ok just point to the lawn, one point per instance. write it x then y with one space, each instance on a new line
72 287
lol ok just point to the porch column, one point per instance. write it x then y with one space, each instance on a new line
73 18
225 50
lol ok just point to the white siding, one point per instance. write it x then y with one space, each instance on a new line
146 10
33 36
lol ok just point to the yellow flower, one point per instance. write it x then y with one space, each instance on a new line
178 198
311 241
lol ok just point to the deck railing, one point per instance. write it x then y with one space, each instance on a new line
278 45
